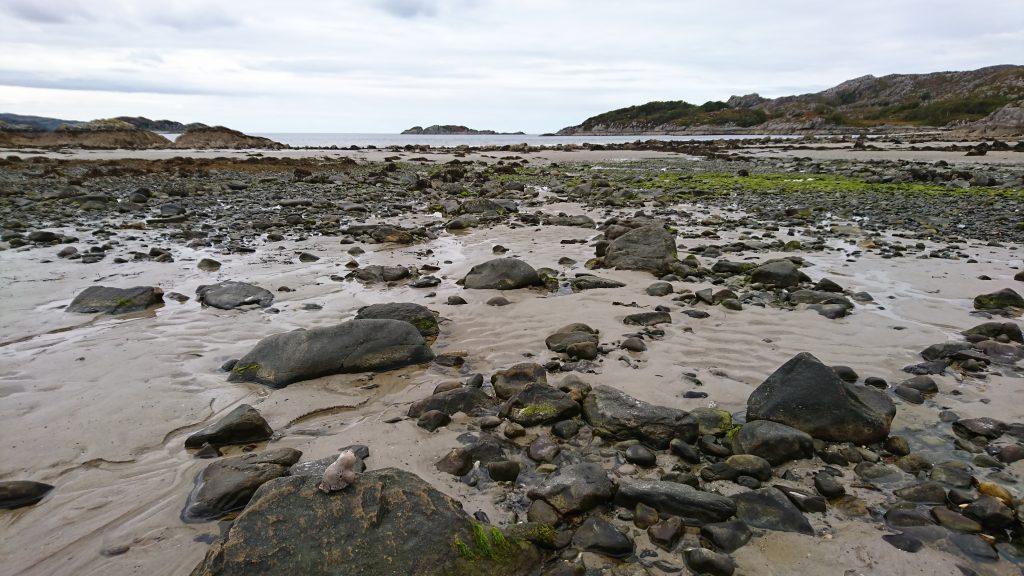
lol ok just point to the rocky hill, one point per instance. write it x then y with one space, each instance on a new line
221 137
165 126
451 130
110 133
893 102
22 123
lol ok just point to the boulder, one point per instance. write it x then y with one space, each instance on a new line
694 506
648 248
1005 298
241 425
501 274
778 274
110 300
617 415
598 535
807 395
229 295
776 443
575 489
468 400
419 316
483 449
588 282
353 346
388 522
770 509
19 493
227 485
512 380
539 404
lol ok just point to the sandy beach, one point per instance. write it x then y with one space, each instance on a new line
99 405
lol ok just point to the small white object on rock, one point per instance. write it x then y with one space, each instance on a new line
339 474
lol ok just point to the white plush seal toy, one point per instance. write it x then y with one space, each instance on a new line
340 473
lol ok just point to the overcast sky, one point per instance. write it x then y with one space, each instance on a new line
531 65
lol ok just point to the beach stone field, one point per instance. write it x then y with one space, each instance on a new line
686 358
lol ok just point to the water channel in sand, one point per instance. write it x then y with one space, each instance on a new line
100 407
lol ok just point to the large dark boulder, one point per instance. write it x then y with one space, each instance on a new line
575 489
539 404
18 493
618 416
694 506
419 316
110 300
354 346
648 248
770 509
808 395
776 443
227 485
228 295
389 523
1005 298
241 425
512 380
501 274
778 273
466 399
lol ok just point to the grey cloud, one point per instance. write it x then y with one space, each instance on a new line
198 18
29 80
409 8
55 12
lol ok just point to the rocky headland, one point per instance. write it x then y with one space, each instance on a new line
452 130
710 358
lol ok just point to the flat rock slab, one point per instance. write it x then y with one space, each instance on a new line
694 506
241 425
468 400
353 346
229 295
575 489
539 404
110 300
770 509
389 522
619 416
227 485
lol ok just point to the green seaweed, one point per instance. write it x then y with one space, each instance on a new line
245 368
545 410
481 543
463 549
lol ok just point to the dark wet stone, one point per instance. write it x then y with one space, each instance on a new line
913 464
543 449
588 282
349 532
828 485
539 404
904 518
688 452
727 536
704 561
432 420
511 381
923 492
974 547
574 489
503 470
804 500
470 401
953 473
644 516
770 509
904 542
419 316
20 493
648 248
807 395
909 394
633 344
242 425
616 415
108 300
990 512
227 485
954 521
647 319
501 274
353 346
659 289
989 428
693 506
779 273
229 295
598 535
666 533
1005 298
459 461
776 443
641 456
208 265
542 513
750 465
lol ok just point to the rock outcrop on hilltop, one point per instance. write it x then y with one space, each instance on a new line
221 137
109 133
451 130
166 126
987 97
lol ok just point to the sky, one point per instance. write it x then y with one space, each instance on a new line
506 65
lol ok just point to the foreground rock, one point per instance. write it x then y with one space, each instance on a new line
354 346
229 295
575 489
694 506
807 395
617 415
241 425
648 248
419 316
110 300
19 493
227 485
1005 298
221 137
501 274
388 522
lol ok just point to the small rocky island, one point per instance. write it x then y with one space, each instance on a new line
453 130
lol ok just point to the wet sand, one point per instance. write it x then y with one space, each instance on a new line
100 406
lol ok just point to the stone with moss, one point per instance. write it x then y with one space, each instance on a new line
419 316
1001 299
109 300
539 404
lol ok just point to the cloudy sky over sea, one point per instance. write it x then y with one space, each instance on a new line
531 65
